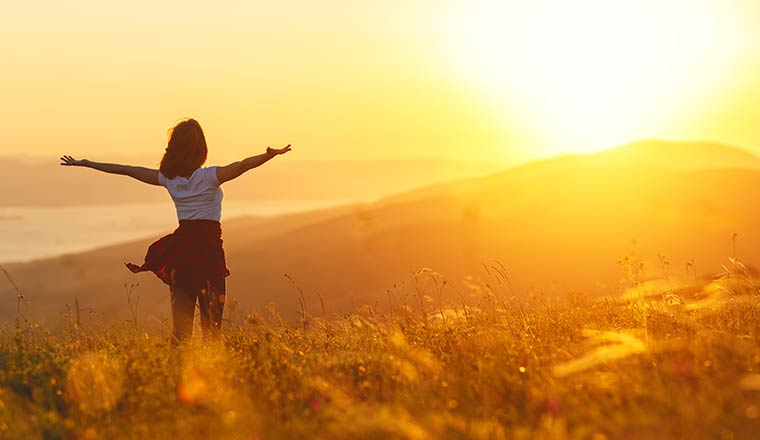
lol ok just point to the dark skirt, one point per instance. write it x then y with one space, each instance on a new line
189 257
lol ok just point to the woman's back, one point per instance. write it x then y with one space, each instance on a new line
198 197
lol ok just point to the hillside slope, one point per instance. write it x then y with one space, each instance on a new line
557 226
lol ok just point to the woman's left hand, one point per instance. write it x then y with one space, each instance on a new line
276 151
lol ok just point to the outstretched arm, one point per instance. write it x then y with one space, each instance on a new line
142 174
235 169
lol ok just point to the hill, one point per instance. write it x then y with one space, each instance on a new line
676 155
295 180
579 223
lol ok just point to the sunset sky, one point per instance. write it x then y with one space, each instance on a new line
471 80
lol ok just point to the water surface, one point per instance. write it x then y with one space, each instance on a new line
31 232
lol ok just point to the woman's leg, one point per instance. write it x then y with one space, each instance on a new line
183 309
211 301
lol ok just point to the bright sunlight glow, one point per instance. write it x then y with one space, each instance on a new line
594 73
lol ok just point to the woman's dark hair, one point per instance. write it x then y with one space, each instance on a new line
186 151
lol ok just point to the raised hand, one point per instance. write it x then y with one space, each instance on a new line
71 162
276 151
235 169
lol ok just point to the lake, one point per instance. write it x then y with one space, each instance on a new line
32 232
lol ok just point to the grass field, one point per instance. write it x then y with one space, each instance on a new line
669 359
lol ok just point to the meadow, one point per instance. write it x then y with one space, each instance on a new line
670 358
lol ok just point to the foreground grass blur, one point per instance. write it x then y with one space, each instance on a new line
666 360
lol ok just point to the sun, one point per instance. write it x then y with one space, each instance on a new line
587 74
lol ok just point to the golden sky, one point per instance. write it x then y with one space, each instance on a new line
476 80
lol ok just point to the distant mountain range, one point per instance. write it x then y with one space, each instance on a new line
284 178
558 226
674 156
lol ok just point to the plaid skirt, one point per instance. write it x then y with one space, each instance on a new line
189 257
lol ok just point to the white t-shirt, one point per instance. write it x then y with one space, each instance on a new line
198 197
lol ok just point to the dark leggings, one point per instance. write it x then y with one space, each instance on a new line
210 299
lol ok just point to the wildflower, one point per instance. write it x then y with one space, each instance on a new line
315 404
553 406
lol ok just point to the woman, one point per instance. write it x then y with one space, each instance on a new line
191 259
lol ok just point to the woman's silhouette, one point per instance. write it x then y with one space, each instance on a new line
191 259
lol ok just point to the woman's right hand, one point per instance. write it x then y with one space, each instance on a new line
70 161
